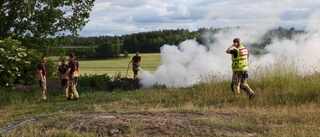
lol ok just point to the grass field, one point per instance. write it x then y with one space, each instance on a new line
286 105
117 65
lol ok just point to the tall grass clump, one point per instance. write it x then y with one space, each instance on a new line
93 82
281 83
12 98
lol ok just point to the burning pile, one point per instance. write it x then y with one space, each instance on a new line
124 84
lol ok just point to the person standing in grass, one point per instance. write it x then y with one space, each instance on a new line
42 78
135 65
73 72
64 78
240 64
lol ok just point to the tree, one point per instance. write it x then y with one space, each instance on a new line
42 18
106 50
18 64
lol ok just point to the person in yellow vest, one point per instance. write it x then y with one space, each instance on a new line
240 64
63 67
135 65
42 78
73 72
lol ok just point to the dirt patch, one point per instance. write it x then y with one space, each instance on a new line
149 124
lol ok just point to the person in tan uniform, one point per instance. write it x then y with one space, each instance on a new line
63 67
42 78
73 73
135 64
240 64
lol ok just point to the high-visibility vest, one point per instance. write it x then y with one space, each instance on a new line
240 63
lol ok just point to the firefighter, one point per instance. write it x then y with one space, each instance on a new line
135 65
73 72
64 78
240 63
42 78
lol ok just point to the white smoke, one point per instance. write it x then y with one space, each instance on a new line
302 49
183 65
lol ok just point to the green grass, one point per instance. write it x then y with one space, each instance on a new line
286 105
149 61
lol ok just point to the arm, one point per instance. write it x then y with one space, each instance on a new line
67 72
231 47
138 63
41 76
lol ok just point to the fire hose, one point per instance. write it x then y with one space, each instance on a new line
128 69
124 81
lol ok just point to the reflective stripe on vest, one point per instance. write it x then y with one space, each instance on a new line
240 63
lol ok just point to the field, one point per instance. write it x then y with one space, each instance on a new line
286 105
117 65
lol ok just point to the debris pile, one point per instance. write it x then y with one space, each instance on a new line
124 84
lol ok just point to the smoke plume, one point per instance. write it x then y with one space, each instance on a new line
189 62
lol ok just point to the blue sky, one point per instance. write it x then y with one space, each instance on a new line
120 17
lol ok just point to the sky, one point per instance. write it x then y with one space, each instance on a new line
121 17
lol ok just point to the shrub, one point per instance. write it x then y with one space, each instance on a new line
17 63
52 68
93 82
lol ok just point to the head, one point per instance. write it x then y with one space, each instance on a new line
71 55
237 40
64 61
137 53
43 59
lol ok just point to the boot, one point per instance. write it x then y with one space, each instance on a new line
251 96
44 98
232 88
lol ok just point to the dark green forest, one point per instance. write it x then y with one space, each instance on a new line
150 42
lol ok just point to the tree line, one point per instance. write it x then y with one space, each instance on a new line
150 42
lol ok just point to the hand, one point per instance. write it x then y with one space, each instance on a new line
235 44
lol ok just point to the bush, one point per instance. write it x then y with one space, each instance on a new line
93 82
17 63
52 68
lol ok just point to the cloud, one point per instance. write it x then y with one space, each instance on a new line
149 15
